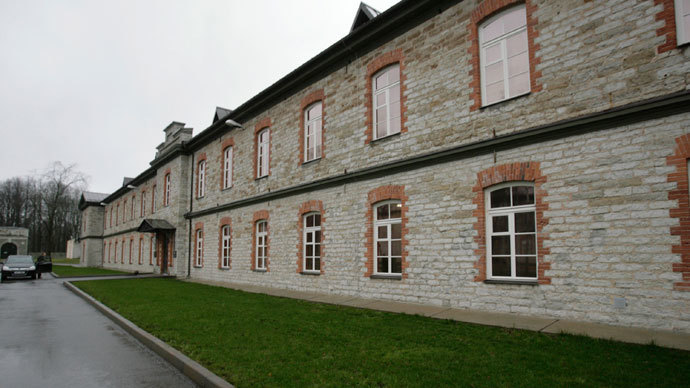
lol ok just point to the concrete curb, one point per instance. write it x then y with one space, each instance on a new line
90 276
189 367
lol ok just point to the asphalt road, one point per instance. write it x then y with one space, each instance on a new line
50 337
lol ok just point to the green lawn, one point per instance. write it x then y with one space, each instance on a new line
67 271
65 261
260 340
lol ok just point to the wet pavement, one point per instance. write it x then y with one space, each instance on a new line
50 337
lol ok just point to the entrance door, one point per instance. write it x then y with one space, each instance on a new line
7 249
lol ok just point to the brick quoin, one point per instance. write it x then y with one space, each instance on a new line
198 226
263 123
385 193
258 216
680 177
511 172
308 207
225 221
380 62
315 96
668 15
226 143
199 159
486 9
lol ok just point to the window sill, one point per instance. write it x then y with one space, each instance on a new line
198 266
261 177
311 273
260 270
493 104
387 277
515 282
224 268
227 188
310 162
383 139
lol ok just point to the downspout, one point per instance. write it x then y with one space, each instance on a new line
191 200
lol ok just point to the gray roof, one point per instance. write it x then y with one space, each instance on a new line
90 196
220 113
152 225
126 180
364 13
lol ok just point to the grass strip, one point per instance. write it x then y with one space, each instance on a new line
260 340
67 271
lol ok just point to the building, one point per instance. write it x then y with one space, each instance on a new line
513 156
73 250
13 241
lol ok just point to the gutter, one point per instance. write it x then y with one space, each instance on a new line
643 110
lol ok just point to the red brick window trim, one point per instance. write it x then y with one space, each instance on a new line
307 208
201 174
307 102
512 172
226 166
260 216
668 15
263 124
485 10
225 243
380 63
681 193
198 245
375 197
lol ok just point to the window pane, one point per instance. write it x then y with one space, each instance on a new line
524 222
317 264
495 92
382 248
514 19
500 266
394 93
493 53
309 265
317 250
380 99
317 219
383 232
381 81
310 250
526 244
500 224
500 245
381 129
519 84
382 212
518 64
396 230
395 110
396 265
310 221
500 197
492 31
393 74
396 248
394 125
382 265
517 44
396 210
309 237
317 236
493 73
526 266
523 195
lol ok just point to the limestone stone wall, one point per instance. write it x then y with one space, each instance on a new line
608 234
17 236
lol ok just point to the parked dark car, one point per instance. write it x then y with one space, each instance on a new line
19 266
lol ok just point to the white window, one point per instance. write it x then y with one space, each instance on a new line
166 198
388 238
199 247
263 153
225 247
143 204
504 56
312 131
312 242
511 232
682 8
227 168
141 250
202 179
387 101
153 199
131 212
261 246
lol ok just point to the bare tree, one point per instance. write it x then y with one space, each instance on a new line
61 185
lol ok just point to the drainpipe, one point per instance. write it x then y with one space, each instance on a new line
191 203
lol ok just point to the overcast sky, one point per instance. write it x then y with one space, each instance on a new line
95 82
